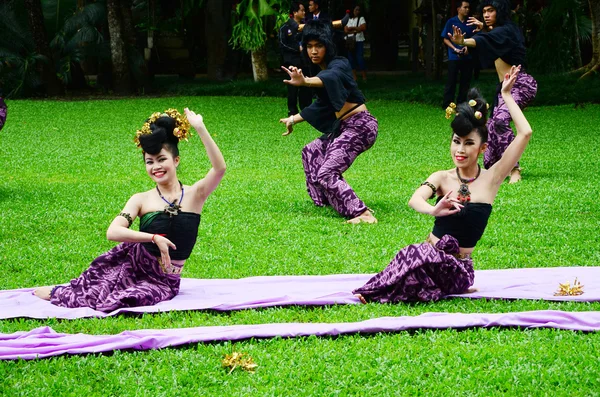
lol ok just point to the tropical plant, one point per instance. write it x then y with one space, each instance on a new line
255 18
559 51
79 39
18 59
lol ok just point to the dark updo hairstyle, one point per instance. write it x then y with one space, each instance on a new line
465 121
321 31
502 8
162 136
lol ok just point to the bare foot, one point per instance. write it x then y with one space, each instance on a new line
43 293
366 217
515 175
471 290
361 298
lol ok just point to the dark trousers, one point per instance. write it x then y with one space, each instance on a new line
295 95
465 68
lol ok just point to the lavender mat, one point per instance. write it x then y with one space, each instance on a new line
254 292
45 342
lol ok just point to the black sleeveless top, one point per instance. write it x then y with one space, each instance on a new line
466 226
181 229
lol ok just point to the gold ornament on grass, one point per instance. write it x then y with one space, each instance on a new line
237 360
181 130
450 110
565 289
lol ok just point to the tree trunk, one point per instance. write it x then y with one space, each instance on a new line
259 64
120 66
38 32
215 29
594 66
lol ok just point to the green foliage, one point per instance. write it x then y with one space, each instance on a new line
80 38
19 61
250 31
72 165
561 27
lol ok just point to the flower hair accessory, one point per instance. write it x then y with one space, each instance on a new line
450 110
181 130
478 115
472 103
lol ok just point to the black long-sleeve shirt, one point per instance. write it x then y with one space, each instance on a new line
289 43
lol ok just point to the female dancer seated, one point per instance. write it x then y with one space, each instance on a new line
442 265
145 269
500 43
341 115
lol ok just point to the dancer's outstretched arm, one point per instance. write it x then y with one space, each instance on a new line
205 186
513 153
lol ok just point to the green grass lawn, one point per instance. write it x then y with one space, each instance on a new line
69 167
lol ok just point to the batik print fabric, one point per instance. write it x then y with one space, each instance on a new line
126 276
325 160
3 112
421 272
500 135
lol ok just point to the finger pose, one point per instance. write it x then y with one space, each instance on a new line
500 43
340 114
465 194
145 269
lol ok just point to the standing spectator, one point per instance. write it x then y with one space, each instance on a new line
355 43
290 44
459 59
314 7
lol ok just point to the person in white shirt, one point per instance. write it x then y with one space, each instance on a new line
355 43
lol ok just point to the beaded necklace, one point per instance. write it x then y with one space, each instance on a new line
172 208
464 194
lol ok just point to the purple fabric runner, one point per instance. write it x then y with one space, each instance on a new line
45 342
254 292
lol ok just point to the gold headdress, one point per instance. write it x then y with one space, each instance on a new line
450 110
181 130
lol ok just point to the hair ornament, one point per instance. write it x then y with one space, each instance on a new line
181 130
450 109
487 106
472 103
478 115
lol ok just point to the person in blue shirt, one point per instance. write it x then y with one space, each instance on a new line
459 58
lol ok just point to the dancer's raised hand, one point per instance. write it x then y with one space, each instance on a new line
289 125
296 76
447 206
472 21
196 120
510 78
457 36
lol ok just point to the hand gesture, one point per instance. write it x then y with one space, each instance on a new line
447 206
289 125
296 76
195 120
457 36
474 21
509 79
163 245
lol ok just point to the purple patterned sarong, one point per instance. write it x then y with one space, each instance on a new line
500 133
3 112
126 276
421 272
325 160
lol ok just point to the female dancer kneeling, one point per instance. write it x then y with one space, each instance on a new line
145 269
443 265
341 115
